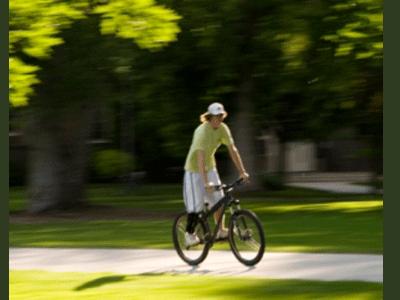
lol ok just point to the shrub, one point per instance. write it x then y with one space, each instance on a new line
110 164
273 182
17 173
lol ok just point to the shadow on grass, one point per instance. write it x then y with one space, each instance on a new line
99 282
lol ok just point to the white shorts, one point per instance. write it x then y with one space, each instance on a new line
194 193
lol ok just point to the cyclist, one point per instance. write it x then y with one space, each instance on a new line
200 168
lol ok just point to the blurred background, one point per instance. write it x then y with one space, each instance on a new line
111 91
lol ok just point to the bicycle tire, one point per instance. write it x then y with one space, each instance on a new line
203 252
234 237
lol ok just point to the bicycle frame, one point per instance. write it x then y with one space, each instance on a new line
224 202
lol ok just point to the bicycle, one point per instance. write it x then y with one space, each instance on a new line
245 232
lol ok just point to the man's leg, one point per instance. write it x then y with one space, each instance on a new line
191 222
213 199
217 216
193 205
191 201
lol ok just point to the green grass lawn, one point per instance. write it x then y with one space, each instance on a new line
53 286
311 222
169 196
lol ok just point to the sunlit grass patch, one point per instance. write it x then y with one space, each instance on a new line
77 286
342 206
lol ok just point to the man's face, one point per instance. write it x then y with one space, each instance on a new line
216 121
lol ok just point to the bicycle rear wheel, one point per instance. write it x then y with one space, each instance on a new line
195 254
246 237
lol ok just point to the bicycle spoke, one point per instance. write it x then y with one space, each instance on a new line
182 228
254 244
247 240
195 253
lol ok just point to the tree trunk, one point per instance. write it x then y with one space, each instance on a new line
244 135
73 83
58 155
243 121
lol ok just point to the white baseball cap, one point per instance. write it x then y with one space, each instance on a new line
216 109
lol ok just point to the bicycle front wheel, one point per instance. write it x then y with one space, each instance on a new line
246 237
194 254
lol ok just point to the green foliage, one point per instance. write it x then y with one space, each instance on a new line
151 26
112 163
35 27
359 28
33 31
22 77
293 46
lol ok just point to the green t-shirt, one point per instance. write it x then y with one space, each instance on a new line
208 139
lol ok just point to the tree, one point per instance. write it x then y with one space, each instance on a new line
61 106
358 37
268 62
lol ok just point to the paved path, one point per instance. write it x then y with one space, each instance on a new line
325 267
335 187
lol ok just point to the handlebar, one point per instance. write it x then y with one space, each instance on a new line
226 187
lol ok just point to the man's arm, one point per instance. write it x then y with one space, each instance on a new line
237 160
201 165
202 169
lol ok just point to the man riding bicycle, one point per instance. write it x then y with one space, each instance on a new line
200 168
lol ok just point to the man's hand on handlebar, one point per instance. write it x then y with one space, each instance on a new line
245 176
209 187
